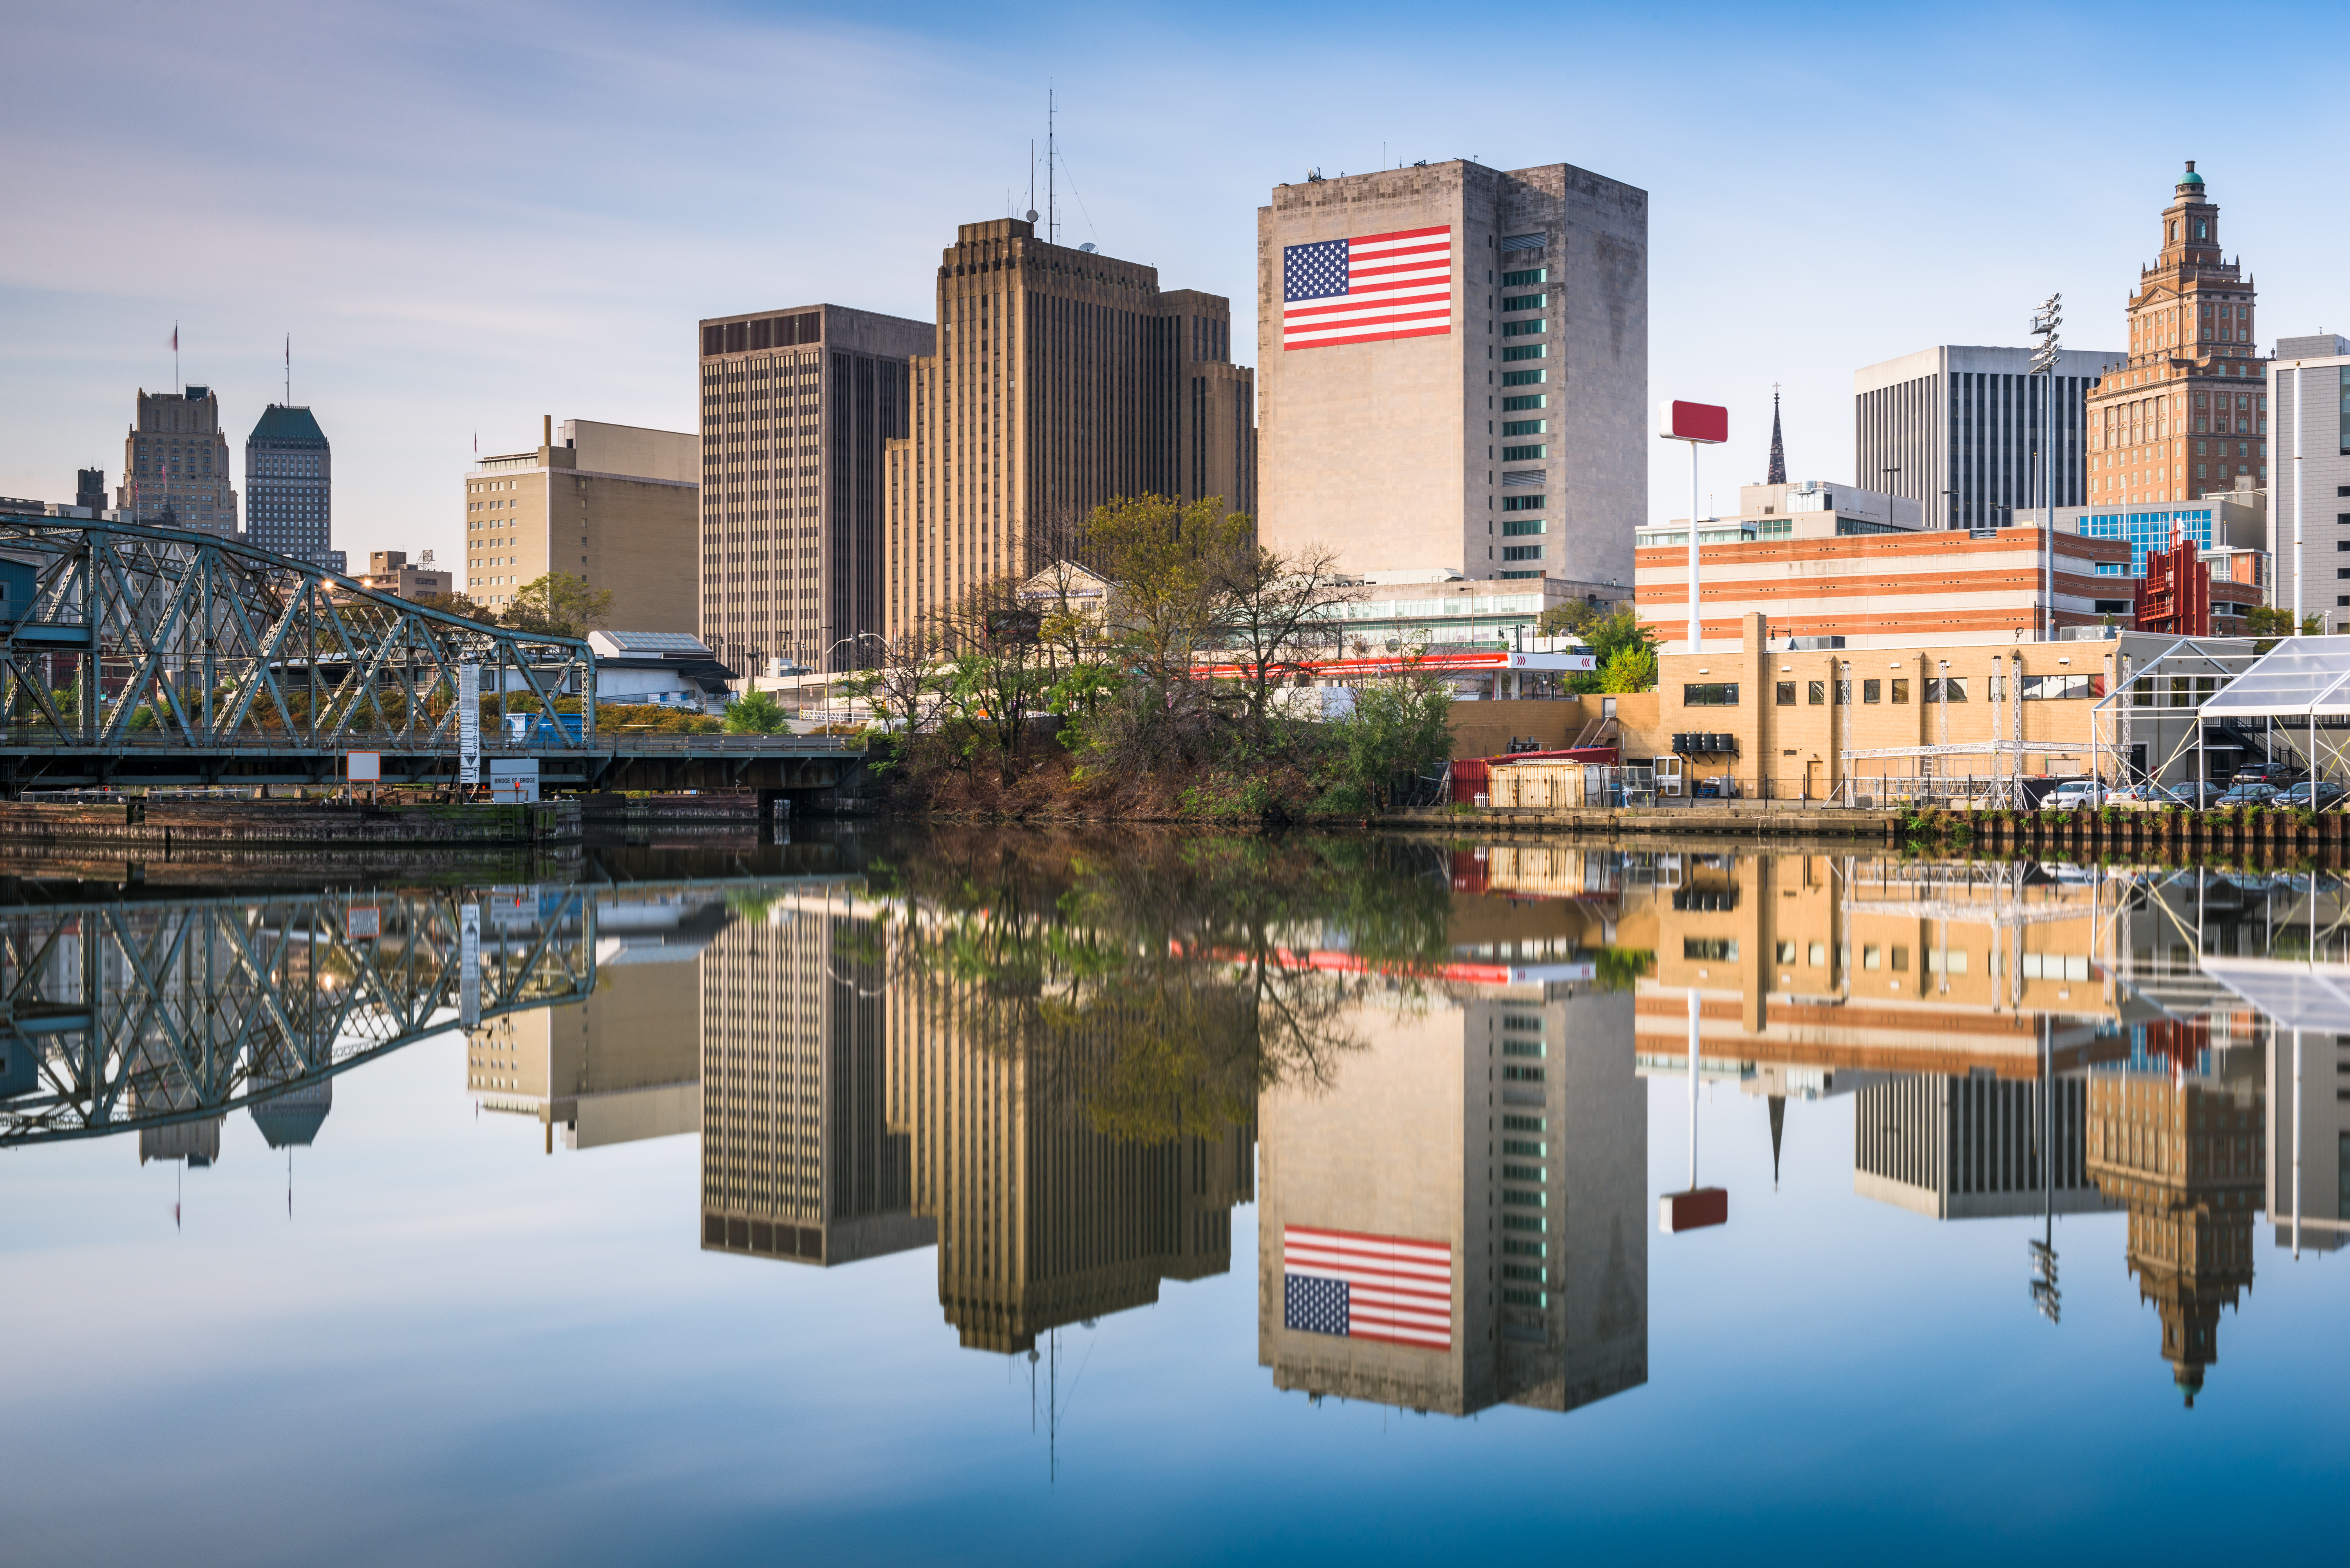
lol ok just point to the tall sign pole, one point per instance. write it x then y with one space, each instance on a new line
1699 424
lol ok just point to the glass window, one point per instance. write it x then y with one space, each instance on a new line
1816 955
1901 693
1522 377
1953 689
1525 426
1785 694
1525 351
1523 504
1523 301
1819 693
1522 453
1535 401
1871 691
1871 957
1710 695
1527 278
1710 949
1522 552
1901 960
1786 953
1511 525
1522 328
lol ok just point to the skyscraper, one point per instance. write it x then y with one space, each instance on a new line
2309 399
289 487
1063 379
1507 1127
797 408
1455 365
1959 429
175 464
2185 412
798 1161
611 503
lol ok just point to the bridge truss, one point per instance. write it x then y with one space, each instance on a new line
142 637
122 1015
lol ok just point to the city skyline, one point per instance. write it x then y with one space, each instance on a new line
425 319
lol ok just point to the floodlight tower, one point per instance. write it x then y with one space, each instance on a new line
2044 323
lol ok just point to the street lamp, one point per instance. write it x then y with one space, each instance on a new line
2044 323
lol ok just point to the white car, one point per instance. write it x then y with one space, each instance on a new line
2074 793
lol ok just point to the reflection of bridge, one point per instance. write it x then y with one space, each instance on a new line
120 1015
138 656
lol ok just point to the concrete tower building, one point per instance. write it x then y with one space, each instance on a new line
2185 412
2309 399
175 464
290 480
797 408
1063 379
1455 366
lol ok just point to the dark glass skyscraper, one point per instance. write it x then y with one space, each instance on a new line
289 487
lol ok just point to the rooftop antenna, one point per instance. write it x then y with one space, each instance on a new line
1052 155
1032 180
289 369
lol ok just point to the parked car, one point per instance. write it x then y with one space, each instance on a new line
2194 796
2276 775
2073 794
2140 797
2245 791
2326 796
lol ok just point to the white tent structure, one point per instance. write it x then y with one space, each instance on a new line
2154 700
2299 689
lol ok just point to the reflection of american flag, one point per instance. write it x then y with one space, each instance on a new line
1365 290
1367 1287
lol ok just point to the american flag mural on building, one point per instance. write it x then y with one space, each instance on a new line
1388 1288
1366 289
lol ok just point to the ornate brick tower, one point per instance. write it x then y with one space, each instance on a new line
2185 413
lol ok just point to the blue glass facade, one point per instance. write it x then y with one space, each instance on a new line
2149 530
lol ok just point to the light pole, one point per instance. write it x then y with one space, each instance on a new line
1699 424
2044 323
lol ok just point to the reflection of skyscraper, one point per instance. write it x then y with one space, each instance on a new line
1043 1218
292 1120
1969 1148
1510 1127
796 1160
624 1064
2186 1154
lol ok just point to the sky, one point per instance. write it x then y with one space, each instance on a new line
469 217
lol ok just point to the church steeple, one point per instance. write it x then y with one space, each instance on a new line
1778 474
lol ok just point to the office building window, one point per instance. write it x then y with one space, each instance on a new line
1785 693
1522 453
1534 526
1522 503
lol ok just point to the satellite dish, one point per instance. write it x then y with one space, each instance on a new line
1032 214
1087 247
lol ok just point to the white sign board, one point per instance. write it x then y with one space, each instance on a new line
468 724
363 920
469 966
363 767
514 780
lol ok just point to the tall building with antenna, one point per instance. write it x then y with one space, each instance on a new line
289 487
1062 378
175 464
1455 362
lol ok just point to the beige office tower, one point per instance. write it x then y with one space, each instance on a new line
612 503
1043 1218
175 464
798 407
1455 369
1063 379
797 1160
622 1065
1506 1127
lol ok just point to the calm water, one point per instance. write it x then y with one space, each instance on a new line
1000 1197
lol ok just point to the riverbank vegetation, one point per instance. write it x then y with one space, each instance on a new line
1161 673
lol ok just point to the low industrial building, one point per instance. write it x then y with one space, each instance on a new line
658 669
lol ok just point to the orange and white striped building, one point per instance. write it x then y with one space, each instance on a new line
1832 561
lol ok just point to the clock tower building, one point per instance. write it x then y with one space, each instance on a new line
2186 412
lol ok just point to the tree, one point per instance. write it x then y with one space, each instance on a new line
557 605
1276 612
900 687
1164 557
994 670
1630 670
755 713
1400 726
459 605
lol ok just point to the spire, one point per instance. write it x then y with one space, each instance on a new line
1778 474
1778 1102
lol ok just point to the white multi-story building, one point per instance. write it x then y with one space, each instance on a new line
2309 449
1452 372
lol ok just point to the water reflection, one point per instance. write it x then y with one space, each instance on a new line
1063 1061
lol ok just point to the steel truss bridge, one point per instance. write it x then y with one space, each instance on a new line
119 1016
133 655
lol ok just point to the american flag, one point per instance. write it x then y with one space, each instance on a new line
1368 289
1388 1288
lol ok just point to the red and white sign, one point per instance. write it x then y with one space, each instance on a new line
363 767
1677 421
364 920
1692 1210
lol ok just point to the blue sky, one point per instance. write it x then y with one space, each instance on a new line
467 217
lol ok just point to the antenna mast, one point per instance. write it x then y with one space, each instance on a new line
1052 155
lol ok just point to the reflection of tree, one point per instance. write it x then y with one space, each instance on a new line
1160 985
